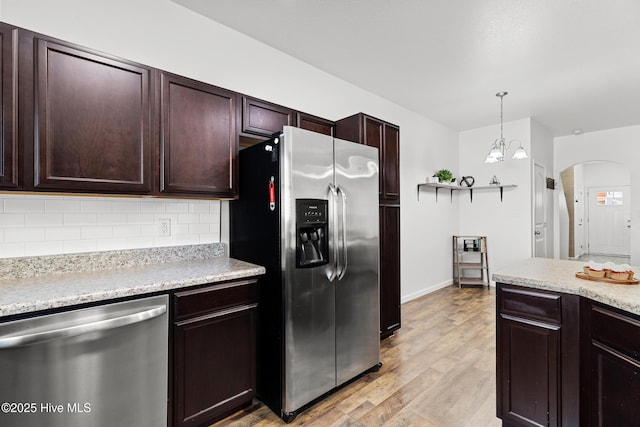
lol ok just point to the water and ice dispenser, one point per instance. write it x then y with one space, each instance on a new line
312 232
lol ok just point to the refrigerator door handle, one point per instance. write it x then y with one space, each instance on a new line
343 270
333 223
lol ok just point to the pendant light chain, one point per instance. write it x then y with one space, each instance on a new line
502 94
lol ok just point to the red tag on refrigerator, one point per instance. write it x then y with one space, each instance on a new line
272 195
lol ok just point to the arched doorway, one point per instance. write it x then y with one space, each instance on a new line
598 209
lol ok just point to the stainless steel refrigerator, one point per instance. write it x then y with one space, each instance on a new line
308 212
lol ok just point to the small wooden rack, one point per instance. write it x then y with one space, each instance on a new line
470 255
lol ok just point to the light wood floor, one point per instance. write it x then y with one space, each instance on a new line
438 370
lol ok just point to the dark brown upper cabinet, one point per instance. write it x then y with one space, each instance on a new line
264 118
8 115
385 137
391 162
315 124
91 115
76 120
198 138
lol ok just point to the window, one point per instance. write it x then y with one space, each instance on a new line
609 198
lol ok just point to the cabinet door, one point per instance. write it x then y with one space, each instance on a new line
315 124
8 140
263 118
389 270
538 357
391 163
214 365
373 137
614 367
199 139
386 138
92 116
615 387
529 377
350 128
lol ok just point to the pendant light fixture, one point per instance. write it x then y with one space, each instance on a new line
499 147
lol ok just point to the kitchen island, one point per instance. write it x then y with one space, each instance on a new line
568 349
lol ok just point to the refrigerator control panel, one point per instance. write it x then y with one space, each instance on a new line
312 233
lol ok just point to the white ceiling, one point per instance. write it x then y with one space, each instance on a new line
567 63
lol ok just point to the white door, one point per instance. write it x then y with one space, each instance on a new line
579 242
609 220
540 213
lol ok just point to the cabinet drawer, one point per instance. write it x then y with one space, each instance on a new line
532 304
215 297
616 330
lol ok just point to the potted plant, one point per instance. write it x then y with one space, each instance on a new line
444 176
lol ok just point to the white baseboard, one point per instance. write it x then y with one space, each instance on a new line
425 291
432 288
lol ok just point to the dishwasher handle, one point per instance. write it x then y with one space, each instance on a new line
83 328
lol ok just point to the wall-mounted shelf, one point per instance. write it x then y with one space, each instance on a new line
453 188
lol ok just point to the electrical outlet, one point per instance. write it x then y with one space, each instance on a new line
165 227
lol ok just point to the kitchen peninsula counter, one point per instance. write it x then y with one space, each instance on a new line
42 283
560 276
567 349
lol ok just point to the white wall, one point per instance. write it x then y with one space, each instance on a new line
506 224
621 145
427 225
167 36
606 174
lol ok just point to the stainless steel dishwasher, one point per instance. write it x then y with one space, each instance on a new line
101 366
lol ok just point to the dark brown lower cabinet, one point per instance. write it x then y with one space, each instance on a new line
538 370
389 270
614 367
531 359
615 391
565 360
214 351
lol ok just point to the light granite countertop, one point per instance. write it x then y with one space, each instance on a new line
54 290
560 276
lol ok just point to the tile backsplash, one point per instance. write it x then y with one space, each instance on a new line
33 225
